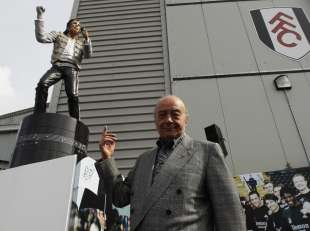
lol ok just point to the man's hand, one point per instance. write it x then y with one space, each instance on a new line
40 11
85 33
107 144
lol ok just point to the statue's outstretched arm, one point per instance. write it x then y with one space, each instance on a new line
41 35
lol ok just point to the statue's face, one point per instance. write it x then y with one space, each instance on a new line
74 27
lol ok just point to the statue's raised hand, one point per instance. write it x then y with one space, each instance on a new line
40 12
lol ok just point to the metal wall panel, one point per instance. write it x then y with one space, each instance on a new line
298 98
120 119
229 43
121 83
7 144
188 2
228 37
14 118
204 106
285 122
121 70
9 125
119 111
262 131
189 51
265 130
113 97
249 122
182 1
124 127
111 104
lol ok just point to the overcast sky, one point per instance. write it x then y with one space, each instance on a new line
22 59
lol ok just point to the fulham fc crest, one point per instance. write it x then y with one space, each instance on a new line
284 30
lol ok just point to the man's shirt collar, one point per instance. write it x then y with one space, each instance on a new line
168 144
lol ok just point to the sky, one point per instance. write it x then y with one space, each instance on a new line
23 60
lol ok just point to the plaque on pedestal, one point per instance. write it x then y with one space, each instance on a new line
45 136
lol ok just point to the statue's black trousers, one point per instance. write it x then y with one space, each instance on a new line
52 76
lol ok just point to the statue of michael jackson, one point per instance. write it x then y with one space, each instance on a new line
67 56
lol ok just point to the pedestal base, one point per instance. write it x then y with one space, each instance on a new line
45 136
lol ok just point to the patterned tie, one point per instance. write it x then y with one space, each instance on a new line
164 150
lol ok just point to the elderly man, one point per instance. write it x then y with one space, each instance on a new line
67 56
181 184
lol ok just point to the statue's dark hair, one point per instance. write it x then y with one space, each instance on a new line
68 25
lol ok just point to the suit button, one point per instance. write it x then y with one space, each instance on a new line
131 193
179 191
168 212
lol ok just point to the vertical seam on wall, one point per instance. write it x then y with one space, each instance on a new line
165 46
248 37
264 87
226 127
207 37
218 87
296 125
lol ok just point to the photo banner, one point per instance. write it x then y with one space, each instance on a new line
276 200
91 208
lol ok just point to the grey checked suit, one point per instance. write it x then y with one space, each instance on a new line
193 190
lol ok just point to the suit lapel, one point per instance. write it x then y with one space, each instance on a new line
145 174
178 158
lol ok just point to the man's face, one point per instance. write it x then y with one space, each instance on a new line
170 118
289 199
268 188
300 183
255 200
272 205
74 27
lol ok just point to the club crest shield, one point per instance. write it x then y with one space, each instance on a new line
285 30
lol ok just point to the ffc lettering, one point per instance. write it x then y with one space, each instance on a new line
282 20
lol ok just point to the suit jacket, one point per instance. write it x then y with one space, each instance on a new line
193 190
